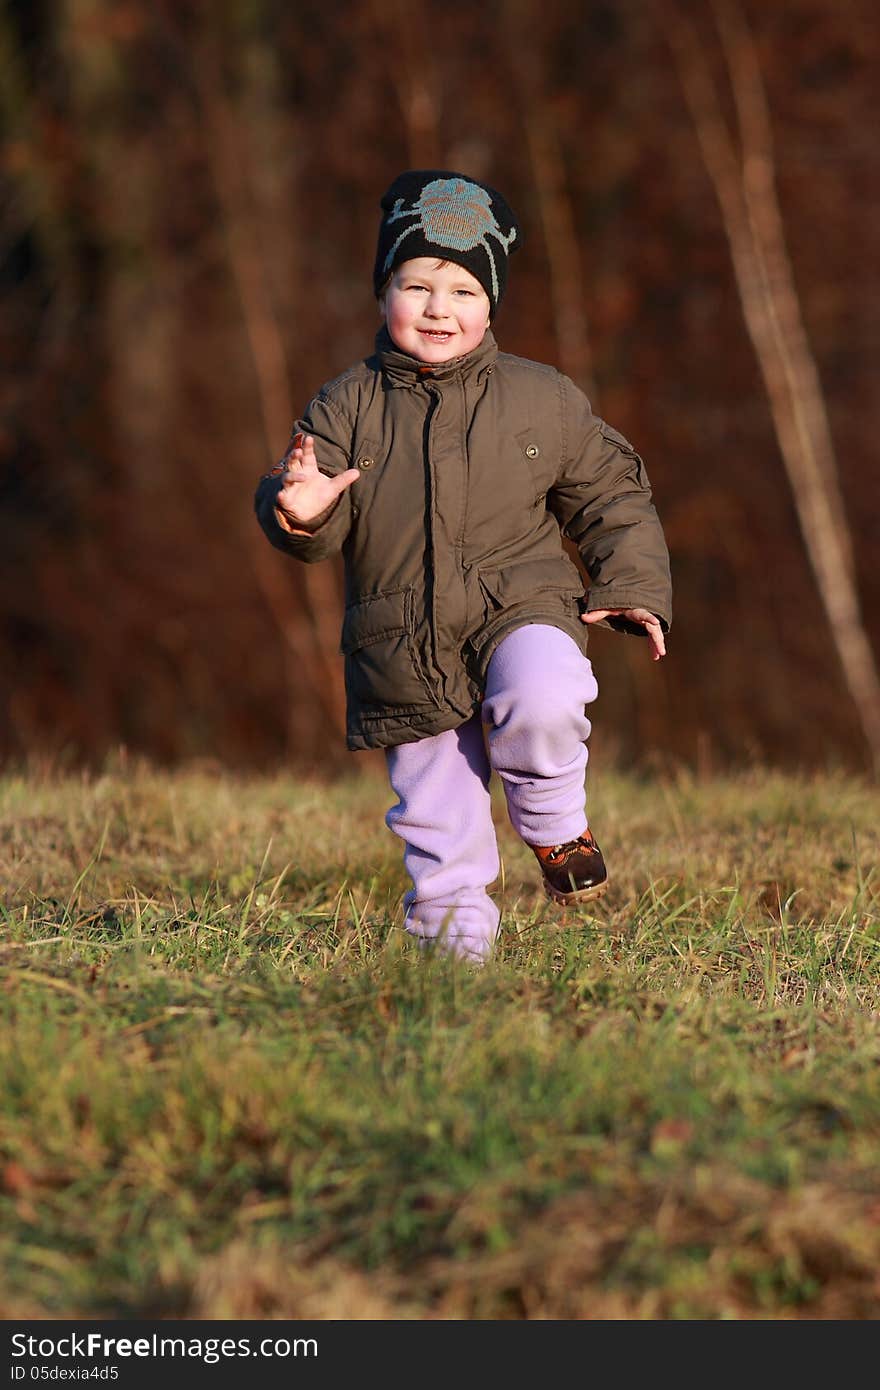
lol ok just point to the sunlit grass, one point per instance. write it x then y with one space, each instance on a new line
230 1087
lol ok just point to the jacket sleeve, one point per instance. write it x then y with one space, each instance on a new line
602 501
324 535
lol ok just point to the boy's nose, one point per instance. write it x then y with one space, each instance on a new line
436 309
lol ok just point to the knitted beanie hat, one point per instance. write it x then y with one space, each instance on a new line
432 212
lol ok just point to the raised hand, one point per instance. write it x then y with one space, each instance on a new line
305 491
649 621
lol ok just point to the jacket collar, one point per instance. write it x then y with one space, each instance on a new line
402 370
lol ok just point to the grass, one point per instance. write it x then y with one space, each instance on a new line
230 1087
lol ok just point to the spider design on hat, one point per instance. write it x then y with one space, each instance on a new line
453 213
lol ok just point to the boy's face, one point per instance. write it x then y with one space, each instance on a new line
435 310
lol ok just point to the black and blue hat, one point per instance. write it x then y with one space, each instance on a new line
433 212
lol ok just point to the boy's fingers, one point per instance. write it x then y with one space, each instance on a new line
655 635
343 480
296 478
302 453
649 621
300 466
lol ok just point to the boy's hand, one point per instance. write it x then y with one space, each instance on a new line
305 492
648 621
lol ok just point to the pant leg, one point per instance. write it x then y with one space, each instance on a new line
537 687
444 817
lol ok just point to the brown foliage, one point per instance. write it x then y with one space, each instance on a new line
187 251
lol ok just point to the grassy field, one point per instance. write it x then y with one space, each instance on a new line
232 1089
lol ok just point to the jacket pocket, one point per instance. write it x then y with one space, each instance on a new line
531 581
382 667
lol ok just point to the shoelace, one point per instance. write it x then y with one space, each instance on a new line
559 852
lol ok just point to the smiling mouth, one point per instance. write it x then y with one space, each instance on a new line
441 334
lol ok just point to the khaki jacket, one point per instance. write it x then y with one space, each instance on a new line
471 472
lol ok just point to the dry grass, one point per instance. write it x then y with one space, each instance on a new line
230 1089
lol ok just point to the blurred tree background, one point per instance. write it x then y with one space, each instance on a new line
190 202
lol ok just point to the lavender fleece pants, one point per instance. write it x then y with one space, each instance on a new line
532 732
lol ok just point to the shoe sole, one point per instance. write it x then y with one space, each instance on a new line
578 895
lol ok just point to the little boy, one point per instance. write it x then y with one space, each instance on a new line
447 472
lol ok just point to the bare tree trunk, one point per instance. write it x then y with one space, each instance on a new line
554 200
746 192
557 219
319 643
402 26
42 202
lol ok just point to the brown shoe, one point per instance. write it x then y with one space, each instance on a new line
574 872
